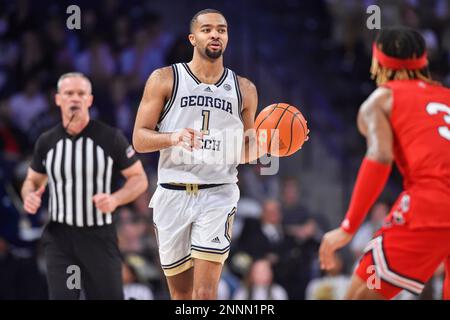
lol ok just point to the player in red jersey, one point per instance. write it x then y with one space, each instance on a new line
406 120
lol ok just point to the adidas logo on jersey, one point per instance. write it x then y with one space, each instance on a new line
208 89
215 240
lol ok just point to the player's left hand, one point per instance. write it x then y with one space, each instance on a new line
105 202
332 241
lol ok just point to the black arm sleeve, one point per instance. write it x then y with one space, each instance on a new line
38 159
123 153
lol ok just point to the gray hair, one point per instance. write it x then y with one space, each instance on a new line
73 74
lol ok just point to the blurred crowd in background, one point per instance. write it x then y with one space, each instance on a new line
313 54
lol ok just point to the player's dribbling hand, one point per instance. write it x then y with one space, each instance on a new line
32 201
105 202
187 138
332 241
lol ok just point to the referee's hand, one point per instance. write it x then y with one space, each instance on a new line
105 202
32 201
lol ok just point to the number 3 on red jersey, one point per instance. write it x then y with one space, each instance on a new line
434 108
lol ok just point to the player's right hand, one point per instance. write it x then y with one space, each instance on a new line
187 138
331 242
32 201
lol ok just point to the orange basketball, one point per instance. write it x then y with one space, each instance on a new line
281 129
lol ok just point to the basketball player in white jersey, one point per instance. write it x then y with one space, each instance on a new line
185 110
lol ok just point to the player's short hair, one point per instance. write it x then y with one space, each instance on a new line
204 11
70 75
401 43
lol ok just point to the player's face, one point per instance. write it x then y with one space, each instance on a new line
74 97
210 35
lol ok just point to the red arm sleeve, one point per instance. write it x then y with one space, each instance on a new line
372 177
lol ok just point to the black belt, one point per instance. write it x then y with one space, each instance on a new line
189 187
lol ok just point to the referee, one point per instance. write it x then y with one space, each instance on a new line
78 159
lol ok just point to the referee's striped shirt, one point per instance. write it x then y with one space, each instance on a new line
79 167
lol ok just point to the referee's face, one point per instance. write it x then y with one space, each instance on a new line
74 97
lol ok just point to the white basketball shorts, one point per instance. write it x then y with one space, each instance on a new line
193 225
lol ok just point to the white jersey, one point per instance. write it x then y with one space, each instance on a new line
214 109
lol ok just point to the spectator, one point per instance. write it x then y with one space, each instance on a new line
259 284
131 233
379 211
257 186
332 286
26 105
265 236
298 221
20 277
123 112
96 61
33 56
12 141
133 287
147 53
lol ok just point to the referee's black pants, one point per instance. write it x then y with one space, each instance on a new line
91 250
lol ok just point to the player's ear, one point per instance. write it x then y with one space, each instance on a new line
191 38
90 100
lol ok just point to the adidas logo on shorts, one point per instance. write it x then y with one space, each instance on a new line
215 240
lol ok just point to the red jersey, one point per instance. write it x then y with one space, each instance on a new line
420 121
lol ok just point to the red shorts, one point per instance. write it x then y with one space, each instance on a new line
400 258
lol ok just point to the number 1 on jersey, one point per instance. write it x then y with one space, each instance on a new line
205 126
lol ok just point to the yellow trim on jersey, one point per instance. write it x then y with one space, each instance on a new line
229 225
215 257
179 269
